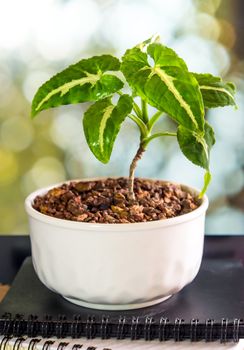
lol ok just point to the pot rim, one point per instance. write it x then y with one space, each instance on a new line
74 225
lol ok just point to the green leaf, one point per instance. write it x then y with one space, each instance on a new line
81 82
167 85
215 92
102 123
153 39
196 146
133 61
163 56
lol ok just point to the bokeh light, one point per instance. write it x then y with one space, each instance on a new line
38 39
44 171
8 167
16 134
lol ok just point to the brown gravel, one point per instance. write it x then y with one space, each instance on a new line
106 201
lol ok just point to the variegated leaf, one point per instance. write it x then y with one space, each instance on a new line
167 85
84 81
215 92
102 123
163 56
144 45
196 147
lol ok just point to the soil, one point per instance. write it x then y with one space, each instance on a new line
106 201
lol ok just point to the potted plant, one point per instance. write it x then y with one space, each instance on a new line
121 243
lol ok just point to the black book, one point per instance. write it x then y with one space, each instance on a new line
210 308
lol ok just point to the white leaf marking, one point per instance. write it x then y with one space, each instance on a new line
169 82
63 89
106 115
205 87
203 142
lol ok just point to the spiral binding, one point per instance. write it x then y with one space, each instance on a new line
121 327
4 342
163 334
61 327
148 334
209 330
46 345
104 328
194 329
76 346
76 327
33 343
31 328
134 328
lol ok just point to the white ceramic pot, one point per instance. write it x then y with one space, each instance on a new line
116 266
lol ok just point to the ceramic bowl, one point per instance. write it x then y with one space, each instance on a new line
116 266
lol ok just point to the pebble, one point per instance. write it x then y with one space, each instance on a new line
107 201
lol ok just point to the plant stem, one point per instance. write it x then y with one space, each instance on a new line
133 165
141 124
153 120
207 179
146 140
137 110
144 111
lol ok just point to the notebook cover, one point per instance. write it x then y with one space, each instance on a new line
216 293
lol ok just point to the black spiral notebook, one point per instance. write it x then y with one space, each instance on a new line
210 308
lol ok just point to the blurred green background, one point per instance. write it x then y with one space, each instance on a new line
39 38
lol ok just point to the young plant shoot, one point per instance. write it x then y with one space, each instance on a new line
167 85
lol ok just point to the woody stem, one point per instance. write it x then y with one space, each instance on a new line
133 165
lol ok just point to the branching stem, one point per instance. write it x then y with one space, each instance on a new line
145 125
141 124
153 120
146 140
137 110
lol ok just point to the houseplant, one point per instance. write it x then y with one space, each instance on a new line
126 263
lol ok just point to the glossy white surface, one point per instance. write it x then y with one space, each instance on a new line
116 266
117 306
